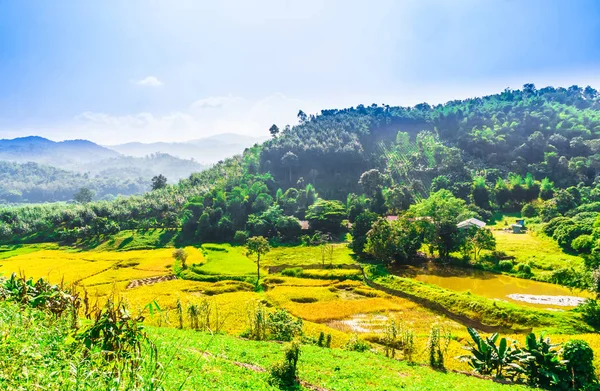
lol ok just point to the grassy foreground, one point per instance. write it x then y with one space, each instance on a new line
44 355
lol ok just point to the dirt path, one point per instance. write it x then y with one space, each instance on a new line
150 281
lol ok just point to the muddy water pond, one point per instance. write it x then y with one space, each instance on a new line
496 286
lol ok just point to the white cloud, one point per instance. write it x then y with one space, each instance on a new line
216 102
204 117
150 81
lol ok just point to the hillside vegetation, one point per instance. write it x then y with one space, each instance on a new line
300 240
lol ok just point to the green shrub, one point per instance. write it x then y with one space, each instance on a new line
583 244
321 340
590 312
356 344
580 364
528 210
523 269
489 357
506 265
282 326
437 345
210 247
240 237
284 374
292 272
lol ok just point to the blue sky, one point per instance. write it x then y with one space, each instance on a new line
118 71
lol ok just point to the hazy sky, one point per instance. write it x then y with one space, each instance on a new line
114 71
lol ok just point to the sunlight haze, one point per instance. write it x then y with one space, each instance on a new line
148 71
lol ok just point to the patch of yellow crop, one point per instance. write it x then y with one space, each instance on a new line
55 265
299 282
338 338
285 294
232 308
117 274
331 273
93 268
339 309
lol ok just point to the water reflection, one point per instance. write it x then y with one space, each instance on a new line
493 286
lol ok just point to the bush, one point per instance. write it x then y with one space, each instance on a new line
240 237
590 312
553 224
292 272
528 210
356 345
524 269
282 326
284 373
506 266
583 244
580 363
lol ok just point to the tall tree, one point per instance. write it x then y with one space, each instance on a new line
290 160
260 246
371 181
443 211
302 116
159 182
274 130
84 195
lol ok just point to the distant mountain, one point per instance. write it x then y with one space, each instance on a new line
172 167
33 182
206 150
35 169
70 153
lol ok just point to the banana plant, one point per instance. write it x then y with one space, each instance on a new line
539 362
488 356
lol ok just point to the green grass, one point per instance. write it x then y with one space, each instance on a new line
225 259
43 355
307 255
481 309
137 240
542 254
333 369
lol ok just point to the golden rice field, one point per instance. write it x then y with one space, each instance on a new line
339 308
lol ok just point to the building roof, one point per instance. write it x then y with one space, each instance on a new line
304 224
472 222
391 218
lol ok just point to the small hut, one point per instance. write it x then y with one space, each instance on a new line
516 228
472 222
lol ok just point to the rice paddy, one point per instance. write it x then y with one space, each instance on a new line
331 300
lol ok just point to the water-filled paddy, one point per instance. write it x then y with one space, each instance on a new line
495 286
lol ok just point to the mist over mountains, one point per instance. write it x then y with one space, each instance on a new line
36 169
205 150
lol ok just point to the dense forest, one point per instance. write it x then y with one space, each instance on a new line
530 149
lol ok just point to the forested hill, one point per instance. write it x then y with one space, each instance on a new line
35 169
497 153
32 182
550 132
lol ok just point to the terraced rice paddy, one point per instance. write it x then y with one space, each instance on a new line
328 301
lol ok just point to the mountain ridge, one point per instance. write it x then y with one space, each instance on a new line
206 150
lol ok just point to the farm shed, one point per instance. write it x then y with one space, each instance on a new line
472 222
